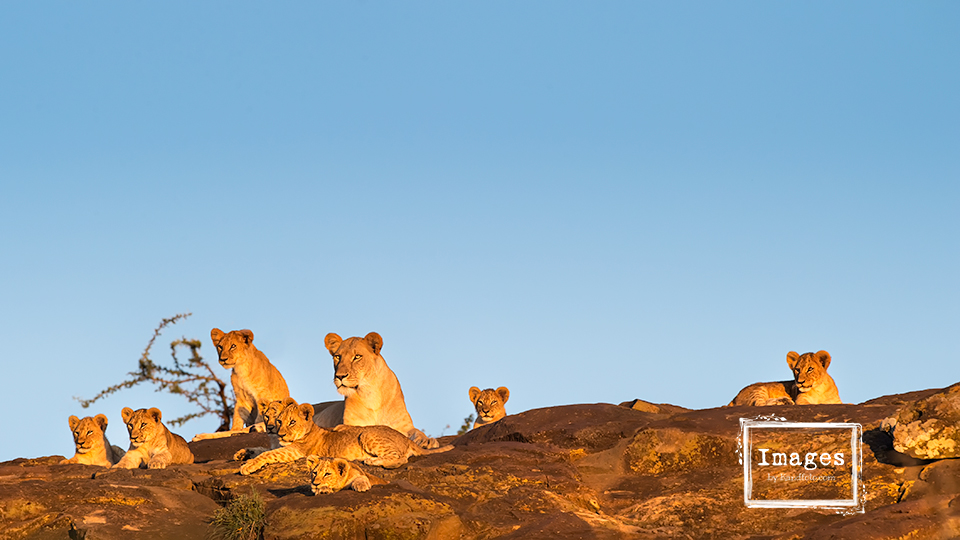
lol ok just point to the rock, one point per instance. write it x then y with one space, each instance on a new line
929 428
595 471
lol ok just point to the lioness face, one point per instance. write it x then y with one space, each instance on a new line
808 369
353 360
489 403
88 432
233 347
142 424
328 475
295 421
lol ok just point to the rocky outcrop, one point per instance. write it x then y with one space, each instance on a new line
579 471
929 428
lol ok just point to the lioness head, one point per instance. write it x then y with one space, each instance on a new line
295 421
270 411
489 403
142 424
329 475
88 432
234 347
808 368
354 359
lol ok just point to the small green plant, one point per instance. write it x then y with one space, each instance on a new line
243 518
467 424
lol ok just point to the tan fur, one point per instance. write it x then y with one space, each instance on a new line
811 384
330 475
151 443
489 404
253 377
90 440
373 396
270 412
300 436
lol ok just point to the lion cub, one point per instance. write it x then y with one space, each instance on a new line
300 437
330 475
90 438
254 379
151 443
811 384
489 404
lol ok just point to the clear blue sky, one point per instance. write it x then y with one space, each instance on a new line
585 202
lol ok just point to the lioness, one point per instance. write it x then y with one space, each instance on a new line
90 439
372 392
254 379
151 442
811 384
489 404
330 475
300 436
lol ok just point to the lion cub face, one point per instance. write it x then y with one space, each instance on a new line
329 475
88 432
234 347
808 369
295 422
489 403
270 410
353 359
142 424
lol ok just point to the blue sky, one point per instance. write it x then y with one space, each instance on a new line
583 202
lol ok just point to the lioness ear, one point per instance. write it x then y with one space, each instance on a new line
126 413
474 393
101 420
375 342
332 341
73 421
312 461
824 358
341 465
247 336
504 393
216 335
306 411
155 414
792 359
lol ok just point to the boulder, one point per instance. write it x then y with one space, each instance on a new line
928 428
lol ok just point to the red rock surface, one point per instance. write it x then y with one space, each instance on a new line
579 471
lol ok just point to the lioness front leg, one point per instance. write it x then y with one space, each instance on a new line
280 455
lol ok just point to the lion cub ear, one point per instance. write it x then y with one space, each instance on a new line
824 358
332 341
73 421
306 411
504 393
126 413
101 420
155 414
341 466
247 336
374 341
313 461
288 401
792 359
216 335
474 394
